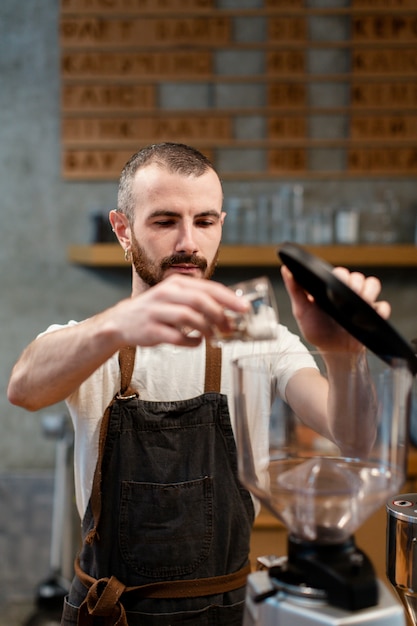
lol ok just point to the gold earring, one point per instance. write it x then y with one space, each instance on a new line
128 255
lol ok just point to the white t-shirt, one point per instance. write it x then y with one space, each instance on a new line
168 373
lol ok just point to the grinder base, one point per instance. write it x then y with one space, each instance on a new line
284 609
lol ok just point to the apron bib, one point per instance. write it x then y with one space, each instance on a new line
167 528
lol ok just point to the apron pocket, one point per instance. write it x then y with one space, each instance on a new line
165 530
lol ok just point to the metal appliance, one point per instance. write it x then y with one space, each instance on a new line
402 550
321 490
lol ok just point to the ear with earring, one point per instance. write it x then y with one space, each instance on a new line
128 255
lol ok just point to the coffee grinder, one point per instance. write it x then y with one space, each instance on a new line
323 491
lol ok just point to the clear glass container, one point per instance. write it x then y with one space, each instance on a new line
322 488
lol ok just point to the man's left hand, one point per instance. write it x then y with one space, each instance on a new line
317 327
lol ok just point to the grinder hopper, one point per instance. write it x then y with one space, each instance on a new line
323 490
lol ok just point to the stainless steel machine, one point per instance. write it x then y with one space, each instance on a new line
402 550
323 489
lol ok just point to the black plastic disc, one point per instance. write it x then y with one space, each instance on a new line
345 306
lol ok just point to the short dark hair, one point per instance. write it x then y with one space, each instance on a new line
175 157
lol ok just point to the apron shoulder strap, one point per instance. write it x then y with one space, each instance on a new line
126 363
213 369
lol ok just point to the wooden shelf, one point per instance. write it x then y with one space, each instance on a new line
97 255
111 255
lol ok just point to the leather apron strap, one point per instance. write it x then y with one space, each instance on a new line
126 363
192 588
104 595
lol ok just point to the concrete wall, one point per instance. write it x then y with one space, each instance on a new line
42 215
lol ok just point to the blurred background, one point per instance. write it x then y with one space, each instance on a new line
306 149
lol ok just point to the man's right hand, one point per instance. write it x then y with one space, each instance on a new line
54 365
167 312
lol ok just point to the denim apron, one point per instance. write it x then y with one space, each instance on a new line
167 529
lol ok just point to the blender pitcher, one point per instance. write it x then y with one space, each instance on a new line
324 487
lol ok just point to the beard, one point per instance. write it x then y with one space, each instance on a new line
153 273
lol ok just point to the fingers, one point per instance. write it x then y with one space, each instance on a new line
368 287
170 311
383 308
199 304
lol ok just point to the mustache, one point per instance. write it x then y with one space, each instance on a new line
176 259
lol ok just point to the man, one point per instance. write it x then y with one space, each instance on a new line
166 523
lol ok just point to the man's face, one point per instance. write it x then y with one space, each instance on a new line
178 222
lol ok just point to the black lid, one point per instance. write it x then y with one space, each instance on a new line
345 306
